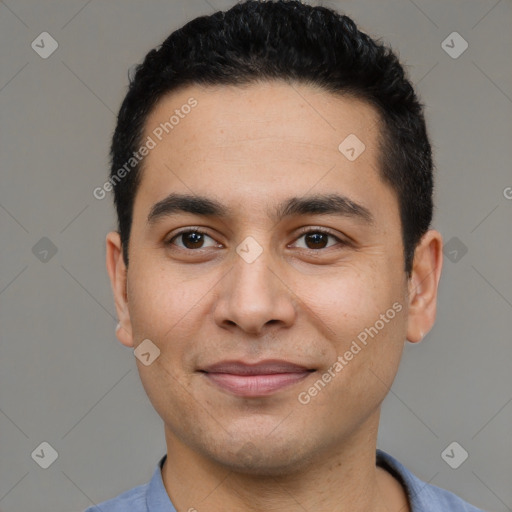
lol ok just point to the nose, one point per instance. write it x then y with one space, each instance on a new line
254 295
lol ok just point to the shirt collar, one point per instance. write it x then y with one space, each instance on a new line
157 499
419 493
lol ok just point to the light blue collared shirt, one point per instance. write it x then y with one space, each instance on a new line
423 497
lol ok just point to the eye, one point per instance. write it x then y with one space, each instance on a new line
316 238
192 239
195 238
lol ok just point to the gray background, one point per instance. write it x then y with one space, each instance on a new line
66 380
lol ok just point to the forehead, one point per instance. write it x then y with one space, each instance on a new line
258 115
270 138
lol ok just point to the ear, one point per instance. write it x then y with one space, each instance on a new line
423 285
118 274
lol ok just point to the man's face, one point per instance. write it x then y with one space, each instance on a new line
255 287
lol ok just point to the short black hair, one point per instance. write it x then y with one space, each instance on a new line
286 40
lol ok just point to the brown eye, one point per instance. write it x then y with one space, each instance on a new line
191 239
316 239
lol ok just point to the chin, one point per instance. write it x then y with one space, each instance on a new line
264 458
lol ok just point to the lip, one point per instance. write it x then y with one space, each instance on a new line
257 379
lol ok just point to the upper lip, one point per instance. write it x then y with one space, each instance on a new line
266 367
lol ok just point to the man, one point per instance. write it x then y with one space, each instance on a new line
273 182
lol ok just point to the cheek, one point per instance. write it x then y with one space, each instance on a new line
363 363
375 347
161 299
363 316
371 313
162 307
171 309
348 302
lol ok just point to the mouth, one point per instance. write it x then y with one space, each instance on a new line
255 380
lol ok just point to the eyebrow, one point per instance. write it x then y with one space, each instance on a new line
324 204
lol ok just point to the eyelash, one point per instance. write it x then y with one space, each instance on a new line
303 231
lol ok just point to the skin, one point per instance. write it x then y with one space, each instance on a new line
251 148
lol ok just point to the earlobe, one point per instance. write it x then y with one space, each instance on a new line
117 272
423 285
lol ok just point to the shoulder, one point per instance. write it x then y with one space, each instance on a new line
424 497
133 500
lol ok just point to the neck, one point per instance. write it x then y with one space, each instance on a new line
344 479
